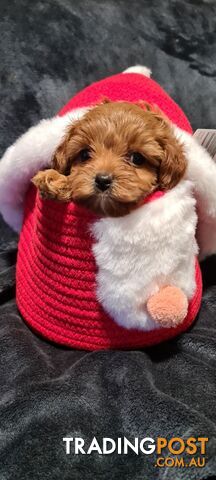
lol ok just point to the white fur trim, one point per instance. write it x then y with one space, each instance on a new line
31 152
139 69
201 170
137 254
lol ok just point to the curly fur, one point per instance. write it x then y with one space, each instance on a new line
111 132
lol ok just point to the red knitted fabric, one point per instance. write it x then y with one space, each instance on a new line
56 270
56 281
130 87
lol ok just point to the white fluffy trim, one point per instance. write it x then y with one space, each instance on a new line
201 170
137 254
31 152
139 69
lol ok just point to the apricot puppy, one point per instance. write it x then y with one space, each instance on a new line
112 158
109 161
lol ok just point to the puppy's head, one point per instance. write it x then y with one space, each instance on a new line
113 157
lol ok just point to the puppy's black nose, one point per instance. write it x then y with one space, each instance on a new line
103 181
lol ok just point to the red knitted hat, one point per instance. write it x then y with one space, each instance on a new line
56 269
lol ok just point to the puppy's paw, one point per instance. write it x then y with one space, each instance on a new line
42 181
168 307
51 184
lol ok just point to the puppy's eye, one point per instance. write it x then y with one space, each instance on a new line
84 154
137 159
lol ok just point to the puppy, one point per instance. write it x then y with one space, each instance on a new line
112 158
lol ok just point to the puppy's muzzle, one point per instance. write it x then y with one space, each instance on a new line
103 181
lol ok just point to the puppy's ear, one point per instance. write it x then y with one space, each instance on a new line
54 182
60 161
173 162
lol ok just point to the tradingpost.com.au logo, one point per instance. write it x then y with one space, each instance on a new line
173 452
